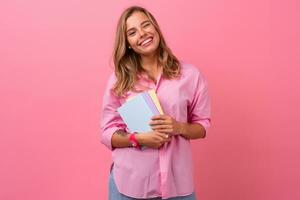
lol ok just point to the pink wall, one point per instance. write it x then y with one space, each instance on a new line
54 62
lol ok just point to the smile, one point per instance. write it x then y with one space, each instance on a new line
147 41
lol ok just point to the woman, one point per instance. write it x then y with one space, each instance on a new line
143 61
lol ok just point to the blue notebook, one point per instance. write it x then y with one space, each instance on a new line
137 113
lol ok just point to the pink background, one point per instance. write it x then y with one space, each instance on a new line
55 58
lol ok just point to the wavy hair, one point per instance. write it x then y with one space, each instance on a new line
127 62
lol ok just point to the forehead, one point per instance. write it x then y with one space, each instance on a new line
135 19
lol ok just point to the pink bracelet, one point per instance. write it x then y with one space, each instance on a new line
133 141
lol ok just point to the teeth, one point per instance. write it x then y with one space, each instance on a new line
146 41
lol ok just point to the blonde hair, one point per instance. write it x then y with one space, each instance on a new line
127 62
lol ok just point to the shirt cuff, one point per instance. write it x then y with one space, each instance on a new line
204 122
107 135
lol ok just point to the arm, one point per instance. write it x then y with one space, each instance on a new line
120 139
198 116
150 139
191 131
167 124
111 123
113 128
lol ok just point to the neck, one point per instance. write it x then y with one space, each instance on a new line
150 65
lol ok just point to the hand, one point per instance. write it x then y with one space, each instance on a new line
166 124
152 139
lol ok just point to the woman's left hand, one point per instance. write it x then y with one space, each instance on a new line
165 124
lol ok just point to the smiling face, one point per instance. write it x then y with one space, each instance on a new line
141 34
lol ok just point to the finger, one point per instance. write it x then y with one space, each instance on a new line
158 117
156 122
160 122
168 137
159 137
163 136
167 140
165 131
154 127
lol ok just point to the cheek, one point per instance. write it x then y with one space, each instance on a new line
157 37
131 41
156 43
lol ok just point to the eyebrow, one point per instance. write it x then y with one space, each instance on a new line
146 21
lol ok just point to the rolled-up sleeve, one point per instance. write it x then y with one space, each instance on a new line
110 118
200 107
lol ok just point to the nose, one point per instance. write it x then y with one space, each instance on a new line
142 32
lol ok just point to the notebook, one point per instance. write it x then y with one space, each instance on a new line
156 101
137 112
150 103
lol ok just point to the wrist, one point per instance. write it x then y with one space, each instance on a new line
181 128
139 138
133 140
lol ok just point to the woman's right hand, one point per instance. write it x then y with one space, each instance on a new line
152 139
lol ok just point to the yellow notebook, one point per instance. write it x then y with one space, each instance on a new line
156 101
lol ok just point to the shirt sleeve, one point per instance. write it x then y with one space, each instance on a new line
110 118
199 109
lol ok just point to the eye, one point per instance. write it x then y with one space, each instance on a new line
131 33
146 25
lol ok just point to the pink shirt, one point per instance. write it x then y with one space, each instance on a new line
166 172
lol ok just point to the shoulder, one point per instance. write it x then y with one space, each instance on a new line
111 79
110 86
193 76
110 83
190 70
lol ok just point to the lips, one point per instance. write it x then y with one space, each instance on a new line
146 41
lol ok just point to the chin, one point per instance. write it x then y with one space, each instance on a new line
149 51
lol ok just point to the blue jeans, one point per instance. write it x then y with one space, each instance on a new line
114 194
